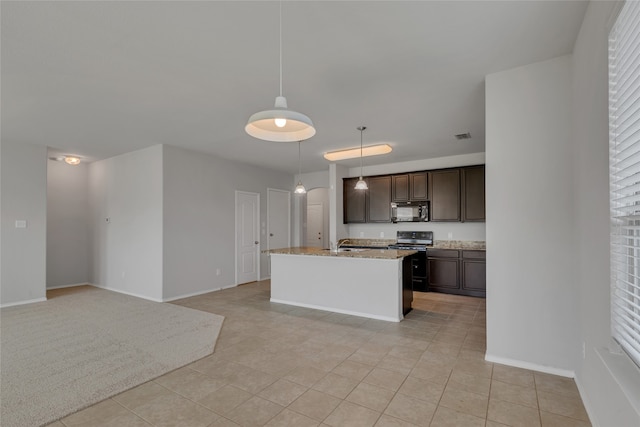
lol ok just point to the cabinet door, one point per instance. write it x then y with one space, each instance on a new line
473 205
400 188
354 202
379 203
474 277
445 195
443 274
418 186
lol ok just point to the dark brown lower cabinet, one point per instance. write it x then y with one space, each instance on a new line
460 272
444 270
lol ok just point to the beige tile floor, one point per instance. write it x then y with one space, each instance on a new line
277 365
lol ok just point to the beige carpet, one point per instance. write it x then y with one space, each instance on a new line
83 346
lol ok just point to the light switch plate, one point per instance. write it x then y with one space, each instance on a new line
21 223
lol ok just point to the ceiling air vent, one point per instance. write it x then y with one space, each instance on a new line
463 136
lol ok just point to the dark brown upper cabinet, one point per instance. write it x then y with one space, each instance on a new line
400 188
473 204
379 199
354 202
444 188
409 187
418 189
455 194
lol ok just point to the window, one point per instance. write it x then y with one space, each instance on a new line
624 167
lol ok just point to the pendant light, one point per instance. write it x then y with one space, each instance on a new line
280 124
361 184
299 188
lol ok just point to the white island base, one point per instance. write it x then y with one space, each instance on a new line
367 287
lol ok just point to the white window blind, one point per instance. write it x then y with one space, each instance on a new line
624 162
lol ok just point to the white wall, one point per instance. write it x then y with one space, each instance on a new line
337 229
199 218
601 391
68 245
23 196
127 250
531 291
441 230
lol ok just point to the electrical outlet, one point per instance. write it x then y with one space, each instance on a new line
362 234
584 350
217 271
382 234
450 235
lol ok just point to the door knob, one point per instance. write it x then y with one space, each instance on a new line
271 234
256 242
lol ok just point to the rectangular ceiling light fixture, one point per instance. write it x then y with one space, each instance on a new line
353 153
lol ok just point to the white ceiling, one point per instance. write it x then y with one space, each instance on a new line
100 79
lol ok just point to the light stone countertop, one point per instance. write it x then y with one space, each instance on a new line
366 253
474 245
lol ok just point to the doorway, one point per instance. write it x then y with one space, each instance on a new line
247 243
317 218
315 221
278 220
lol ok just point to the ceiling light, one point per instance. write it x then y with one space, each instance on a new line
280 124
299 188
352 153
361 184
72 160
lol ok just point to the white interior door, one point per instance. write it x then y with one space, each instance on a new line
315 225
247 243
278 219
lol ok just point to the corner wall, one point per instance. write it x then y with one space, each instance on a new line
601 374
23 196
531 288
68 244
199 218
127 249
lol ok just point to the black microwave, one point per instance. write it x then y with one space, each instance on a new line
409 211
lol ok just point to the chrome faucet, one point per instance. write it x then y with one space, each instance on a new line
342 242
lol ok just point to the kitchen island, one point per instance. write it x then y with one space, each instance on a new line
360 282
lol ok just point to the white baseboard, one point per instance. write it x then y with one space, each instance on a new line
336 310
68 286
530 366
194 294
586 402
126 293
30 301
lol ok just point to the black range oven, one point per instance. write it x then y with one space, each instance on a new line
416 241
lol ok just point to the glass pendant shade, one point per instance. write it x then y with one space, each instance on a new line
361 184
300 188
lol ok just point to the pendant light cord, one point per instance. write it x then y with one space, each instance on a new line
299 162
280 47
361 129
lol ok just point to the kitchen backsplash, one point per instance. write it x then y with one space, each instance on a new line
441 230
